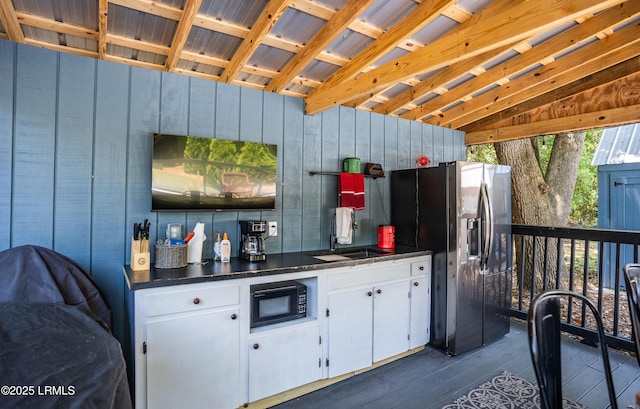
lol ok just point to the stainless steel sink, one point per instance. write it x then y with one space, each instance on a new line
347 254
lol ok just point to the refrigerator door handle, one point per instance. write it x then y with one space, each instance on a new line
487 227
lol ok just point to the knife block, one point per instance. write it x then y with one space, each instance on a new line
139 254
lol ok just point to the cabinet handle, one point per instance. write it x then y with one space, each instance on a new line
256 346
234 316
196 300
369 293
416 283
379 291
421 268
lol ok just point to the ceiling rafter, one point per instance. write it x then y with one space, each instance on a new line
60 48
445 8
58 27
619 47
405 28
537 55
10 22
103 10
512 115
137 44
592 120
473 66
510 25
343 75
191 8
151 7
626 92
436 83
333 28
270 15
208 22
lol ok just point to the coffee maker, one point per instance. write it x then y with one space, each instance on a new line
251 241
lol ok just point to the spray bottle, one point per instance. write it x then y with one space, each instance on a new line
225 249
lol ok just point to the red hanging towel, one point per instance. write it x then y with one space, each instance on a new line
345 190
358 191
351 190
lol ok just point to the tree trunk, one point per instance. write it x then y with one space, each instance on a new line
562 173
529 191
541 199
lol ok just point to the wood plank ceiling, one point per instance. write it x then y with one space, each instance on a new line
496 69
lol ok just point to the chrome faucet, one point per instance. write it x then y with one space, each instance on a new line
333 239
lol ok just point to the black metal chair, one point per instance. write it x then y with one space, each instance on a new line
632 282
543 326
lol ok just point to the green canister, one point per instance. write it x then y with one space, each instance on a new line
351 165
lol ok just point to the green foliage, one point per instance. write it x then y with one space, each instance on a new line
482 153
584 206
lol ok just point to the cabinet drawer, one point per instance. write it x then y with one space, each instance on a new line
421 267
369 276
190 300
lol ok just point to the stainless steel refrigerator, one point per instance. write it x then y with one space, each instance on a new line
462 212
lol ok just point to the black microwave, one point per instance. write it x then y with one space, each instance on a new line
272 303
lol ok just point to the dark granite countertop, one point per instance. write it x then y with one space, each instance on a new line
274 264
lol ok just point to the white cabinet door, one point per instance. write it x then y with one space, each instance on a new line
350 324
390 320
284 359
193 361
420 312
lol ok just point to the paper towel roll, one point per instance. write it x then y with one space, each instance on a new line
194 247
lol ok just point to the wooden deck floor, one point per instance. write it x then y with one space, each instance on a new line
432 379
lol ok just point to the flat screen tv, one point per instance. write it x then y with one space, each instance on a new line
198 173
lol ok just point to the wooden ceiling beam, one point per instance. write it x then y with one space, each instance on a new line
468 40
210 23
340 77
10 22
270 15
591 120
137 44
361 27
437 82
134 63
185 23
57 27
329 31
457 13
152 7
313 8
599 80
405 28
620 46
103 10
61 48
616 94
537 55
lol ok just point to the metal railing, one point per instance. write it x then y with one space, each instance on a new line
587 261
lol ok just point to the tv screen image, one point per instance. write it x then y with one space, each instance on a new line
199 173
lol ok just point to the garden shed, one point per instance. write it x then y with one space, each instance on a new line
618 162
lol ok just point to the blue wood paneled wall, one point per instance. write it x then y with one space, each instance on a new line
75 158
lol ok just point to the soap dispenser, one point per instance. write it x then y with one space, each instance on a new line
225 249
216 248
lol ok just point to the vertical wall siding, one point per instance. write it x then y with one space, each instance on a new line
7 108
75 162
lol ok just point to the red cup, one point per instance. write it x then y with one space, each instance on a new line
386 237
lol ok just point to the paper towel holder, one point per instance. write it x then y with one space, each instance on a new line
373 170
